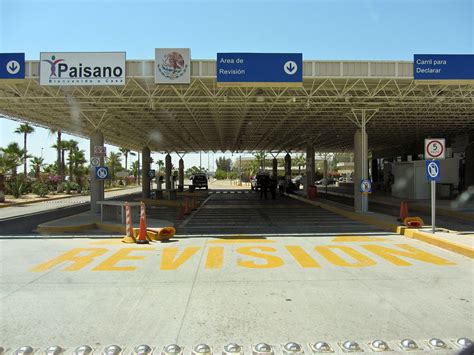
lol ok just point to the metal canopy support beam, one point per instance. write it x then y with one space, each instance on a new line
181 174
168 172
146 160
361 117
97 186
287 167
309 167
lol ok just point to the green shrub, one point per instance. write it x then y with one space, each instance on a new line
40 188
18 186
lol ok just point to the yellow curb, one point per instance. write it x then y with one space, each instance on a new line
402 230
440 242
65 229
111 227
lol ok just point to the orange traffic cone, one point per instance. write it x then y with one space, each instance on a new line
403 211
142 236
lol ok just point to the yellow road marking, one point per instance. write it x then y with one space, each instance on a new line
333 258
272 261
109 264
171 260
389 254
79 261
302 257
215 258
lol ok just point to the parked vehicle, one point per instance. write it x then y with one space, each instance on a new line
199 181
256 180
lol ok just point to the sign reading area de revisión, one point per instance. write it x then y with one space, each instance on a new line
260 69
82 68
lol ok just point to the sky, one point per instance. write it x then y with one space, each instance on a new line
320 29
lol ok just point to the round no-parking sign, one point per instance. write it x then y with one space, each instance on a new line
435 148
95 161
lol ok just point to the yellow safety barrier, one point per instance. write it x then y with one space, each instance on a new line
413 222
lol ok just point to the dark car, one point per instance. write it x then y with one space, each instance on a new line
199 181
255 183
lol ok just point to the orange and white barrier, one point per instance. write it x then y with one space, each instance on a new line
129 237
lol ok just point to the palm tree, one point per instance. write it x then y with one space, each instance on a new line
37 163
261 156
125 153
62 147
15 153
70 146
24 129
77 158
58 145
134 168
160 164
7 163
113 162
299 161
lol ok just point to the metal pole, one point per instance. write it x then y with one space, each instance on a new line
433 206
200 163
365 205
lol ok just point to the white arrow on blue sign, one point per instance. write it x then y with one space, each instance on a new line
433 170
12 65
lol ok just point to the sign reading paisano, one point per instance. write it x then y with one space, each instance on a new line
447 67
82 68
259 69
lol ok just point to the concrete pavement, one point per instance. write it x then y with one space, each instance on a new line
361 288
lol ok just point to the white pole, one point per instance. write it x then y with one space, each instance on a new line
433 205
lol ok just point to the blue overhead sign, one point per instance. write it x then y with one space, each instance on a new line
12 65
259 69
443 67
433 170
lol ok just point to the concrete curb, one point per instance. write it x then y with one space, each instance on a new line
55 198
395 228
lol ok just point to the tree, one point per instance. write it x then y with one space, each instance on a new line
224 164
77 160
7 163
15 153
260 157
70 146
25 129
62 147
125 153
299 161
37 164
134 168
252 167
160 164
113 162
58 145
